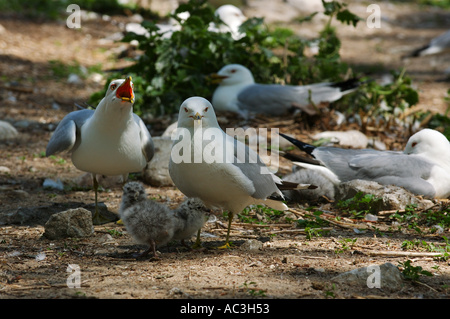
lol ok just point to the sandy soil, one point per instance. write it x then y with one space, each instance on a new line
287 265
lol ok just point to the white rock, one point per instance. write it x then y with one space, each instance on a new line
7 131
352 138
50 183
387 276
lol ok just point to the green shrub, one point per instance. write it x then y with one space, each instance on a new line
173 69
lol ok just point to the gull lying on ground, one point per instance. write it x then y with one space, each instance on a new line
423 167
237 92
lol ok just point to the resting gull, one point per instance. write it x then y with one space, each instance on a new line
423 167
110 140
210 165
237 92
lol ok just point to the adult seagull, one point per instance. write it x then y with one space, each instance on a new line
229 175
110 140
237 92
423 167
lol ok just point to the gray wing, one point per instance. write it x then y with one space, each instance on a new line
146 139
387 168
67 133
255 170
273 99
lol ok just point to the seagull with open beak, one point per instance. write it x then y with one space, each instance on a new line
110 140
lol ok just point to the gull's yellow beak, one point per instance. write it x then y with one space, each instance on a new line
125 91
197 116
216 78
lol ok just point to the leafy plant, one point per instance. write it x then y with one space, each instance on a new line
415 220
266 214
54 9
347 244
312 223
253 291
438 121
388 102
359 205
174 68
329 293
413 272
312 232
62 70
115 232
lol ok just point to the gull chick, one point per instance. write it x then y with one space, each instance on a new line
190 216
110 140
230 175
148 222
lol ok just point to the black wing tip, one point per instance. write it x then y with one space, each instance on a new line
416 53
349 84
308 148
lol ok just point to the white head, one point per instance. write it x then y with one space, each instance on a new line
231 15
197 109
234 74
120 94
121 90
429 143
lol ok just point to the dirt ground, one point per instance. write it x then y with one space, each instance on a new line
286 266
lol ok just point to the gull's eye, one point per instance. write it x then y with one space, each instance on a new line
186 109
206 109
113 86
233 71
414 144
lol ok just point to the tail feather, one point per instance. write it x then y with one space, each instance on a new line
275 204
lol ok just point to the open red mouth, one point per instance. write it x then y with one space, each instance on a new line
125 91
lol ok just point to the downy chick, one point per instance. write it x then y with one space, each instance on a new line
190 216
148 222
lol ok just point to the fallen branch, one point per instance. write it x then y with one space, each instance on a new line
290 231
402 253
261 225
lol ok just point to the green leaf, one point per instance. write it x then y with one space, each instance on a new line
347 17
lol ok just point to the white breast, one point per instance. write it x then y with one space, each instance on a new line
113 151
